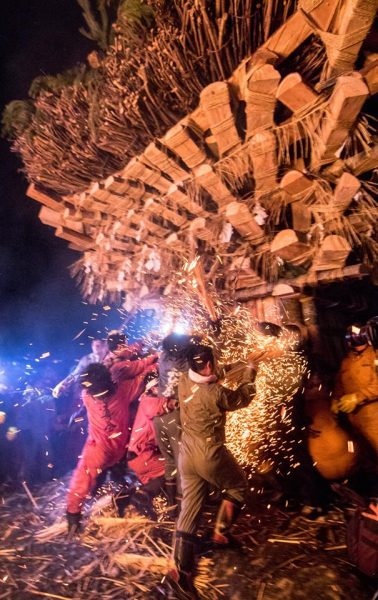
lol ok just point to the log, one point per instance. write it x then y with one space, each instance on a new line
215 102
263 154
346 101
258 92
295 94
243 221
210 181
180 141
158 159
184 201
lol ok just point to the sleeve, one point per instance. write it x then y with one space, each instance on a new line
153 406
128 369
235 399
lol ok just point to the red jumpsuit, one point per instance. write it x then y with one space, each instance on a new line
108 428
148 462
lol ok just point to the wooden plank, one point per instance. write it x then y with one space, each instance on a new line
215 101
42 197
346 101
295 94
244 222
263 155
259 88
80 240
210 181
180 141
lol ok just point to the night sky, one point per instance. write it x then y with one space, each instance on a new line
39 302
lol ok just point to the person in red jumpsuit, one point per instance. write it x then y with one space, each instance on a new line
144 456
107 395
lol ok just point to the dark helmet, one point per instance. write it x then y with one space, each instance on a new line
199 356
356 335
115 339
372 331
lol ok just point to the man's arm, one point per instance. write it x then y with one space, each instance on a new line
128 369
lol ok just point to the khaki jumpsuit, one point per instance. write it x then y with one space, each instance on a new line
204 459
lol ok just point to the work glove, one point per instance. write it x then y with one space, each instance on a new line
348 403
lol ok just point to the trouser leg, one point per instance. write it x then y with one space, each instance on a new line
194 491
168 433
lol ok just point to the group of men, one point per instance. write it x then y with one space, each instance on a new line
176 440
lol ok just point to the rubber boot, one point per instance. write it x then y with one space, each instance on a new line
181 577
227 514
73 523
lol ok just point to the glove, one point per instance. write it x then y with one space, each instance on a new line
335 406
348 403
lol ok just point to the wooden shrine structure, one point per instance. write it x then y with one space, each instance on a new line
270 179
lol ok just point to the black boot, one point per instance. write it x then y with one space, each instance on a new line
74 524
227 514
143 504
122 500
181 577
170 488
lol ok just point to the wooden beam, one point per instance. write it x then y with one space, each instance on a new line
156 158
135 169
295 94
370 74
358 164
184 201
244 222
180 141
205 230
210 181
215 101
346 101
80 240
153 207
346 188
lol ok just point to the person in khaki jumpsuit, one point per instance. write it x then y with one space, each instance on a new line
356 389
204 458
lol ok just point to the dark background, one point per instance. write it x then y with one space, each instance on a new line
39 302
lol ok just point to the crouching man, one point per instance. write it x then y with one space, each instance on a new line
204 459
107 395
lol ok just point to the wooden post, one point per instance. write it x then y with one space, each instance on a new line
263 155
215 101
258 92
348 96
